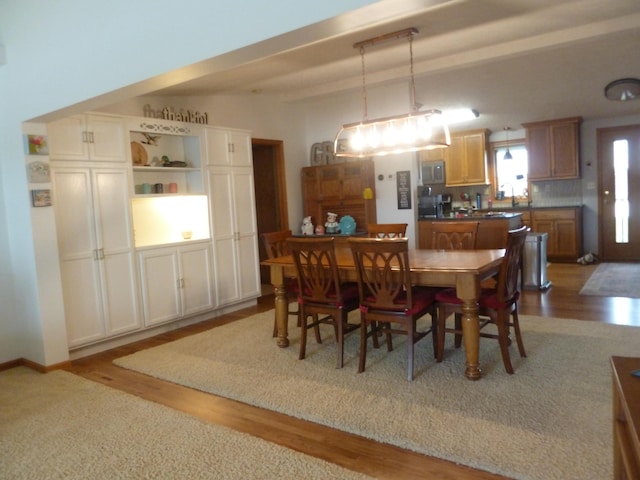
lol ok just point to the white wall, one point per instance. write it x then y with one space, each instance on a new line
72 56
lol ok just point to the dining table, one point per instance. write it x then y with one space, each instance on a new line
462 269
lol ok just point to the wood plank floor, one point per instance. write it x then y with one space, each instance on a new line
350 451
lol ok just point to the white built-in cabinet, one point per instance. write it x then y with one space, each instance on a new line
87 137
233 215
130 260
176 281
97 260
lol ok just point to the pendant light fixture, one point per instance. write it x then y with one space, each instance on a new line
409 132
507 155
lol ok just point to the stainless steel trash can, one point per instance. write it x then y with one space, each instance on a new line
534 264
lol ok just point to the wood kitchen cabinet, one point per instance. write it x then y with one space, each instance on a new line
339 189
492 232
553 148
564 229
466 159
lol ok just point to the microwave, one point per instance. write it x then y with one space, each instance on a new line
432 172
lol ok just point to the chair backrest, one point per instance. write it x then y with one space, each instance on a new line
457 235
509 274
386 230
382 268
317 270
275 243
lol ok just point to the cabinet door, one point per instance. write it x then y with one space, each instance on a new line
115 245
247 233
67 139
160 285
538 150
79 265
354 181
330 183
228 147
241 149
196 280
224 239
311 193
566 240
476 159
565 150
106 139
455 162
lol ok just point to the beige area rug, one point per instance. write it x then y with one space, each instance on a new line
614 280
61 426
550 420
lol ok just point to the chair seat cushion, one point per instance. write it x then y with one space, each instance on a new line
488 298
423 297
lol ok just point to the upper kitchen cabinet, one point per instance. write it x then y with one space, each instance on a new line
340 189
226 147
553 149
87 137
466 159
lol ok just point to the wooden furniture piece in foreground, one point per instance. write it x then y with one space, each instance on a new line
462 269
275 244
492 229
626 418
453 235
321 294
387 230
388 301
497 304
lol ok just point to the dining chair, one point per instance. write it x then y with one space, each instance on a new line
321 294
275 244
388 301
456 235
496 305
386 230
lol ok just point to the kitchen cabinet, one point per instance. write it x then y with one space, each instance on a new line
235 233
99 276
340 189
87 137
176 281
228 147
466 159
564 229
553 149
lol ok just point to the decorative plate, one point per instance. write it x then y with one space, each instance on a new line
138 154
347 225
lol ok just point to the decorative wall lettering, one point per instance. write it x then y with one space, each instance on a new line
168 113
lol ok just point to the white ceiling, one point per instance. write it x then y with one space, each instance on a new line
513 60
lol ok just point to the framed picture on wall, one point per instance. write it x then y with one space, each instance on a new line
41 198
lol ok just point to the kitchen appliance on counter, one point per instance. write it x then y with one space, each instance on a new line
433 206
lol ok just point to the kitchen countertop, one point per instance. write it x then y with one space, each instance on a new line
493 215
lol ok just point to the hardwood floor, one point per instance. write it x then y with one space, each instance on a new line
350 451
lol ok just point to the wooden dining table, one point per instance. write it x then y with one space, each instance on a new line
462 269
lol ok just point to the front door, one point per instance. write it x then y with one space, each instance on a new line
619 197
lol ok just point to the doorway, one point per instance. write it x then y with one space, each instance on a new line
271 192
619 197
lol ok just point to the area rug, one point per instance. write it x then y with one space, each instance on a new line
614 280
550 420
61 426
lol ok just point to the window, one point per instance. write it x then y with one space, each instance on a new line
511 175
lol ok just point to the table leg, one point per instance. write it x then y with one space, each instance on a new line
468 290
281 305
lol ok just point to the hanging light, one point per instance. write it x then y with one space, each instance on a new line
507 155
410 132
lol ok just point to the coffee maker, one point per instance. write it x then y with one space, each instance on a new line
433 206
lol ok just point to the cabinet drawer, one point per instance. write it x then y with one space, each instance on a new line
555 214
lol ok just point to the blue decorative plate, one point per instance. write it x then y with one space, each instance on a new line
347 225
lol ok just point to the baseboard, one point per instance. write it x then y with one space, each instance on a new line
23 362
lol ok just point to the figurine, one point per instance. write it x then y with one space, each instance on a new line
332 225
307 226
319 230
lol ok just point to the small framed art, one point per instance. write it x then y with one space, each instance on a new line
41 198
